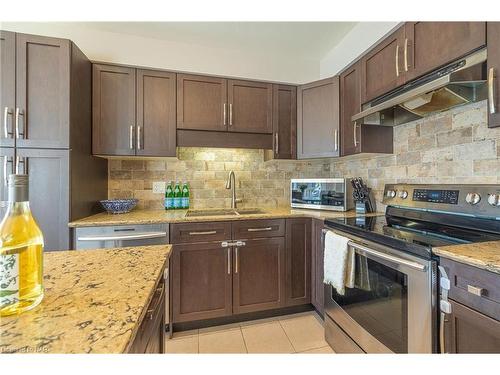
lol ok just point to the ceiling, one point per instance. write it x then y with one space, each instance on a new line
307 40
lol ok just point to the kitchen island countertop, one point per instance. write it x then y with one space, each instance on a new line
94 302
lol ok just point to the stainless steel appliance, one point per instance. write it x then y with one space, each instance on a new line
394 305
321 193
120 236
460 82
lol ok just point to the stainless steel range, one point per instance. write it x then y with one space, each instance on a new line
395 307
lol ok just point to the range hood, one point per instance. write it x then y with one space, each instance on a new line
458 83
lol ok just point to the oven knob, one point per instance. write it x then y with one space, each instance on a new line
473 198
494 200
403 194
391 193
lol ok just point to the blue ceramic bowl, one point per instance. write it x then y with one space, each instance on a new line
119 206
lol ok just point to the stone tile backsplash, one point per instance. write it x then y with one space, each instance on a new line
451 147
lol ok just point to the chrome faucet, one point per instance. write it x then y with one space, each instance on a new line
231 184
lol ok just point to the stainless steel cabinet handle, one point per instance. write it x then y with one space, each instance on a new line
131 137
397 60
277 144
138 137
23 161
259 229
6 114
7 160
225 113
491 90
228 260
152 310
202 233
236 260
476 290
19 113
355 134
336 136
406 55
230 114
129 237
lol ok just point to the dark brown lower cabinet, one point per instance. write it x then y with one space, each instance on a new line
298 261
317 287
258 275
202 281
150 337
469 331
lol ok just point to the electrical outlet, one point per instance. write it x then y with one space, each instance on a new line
159 187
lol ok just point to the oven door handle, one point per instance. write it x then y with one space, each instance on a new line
391 258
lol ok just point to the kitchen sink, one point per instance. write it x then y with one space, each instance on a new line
225 212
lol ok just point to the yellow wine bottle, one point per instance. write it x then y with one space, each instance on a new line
21 252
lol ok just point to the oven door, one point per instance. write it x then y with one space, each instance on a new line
392 307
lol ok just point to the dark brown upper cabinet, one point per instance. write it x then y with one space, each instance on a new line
493 71
113 110
429 45
284 122
259 275
250 107
7 87
201 103
318 115
155 132
356 137
382 67
133 111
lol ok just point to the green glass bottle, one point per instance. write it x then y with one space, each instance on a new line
177 196
169 196
185 195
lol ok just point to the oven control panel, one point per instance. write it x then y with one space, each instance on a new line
436 196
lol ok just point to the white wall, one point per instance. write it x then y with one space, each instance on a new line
133 50
358 40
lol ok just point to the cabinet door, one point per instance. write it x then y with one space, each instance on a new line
155 113
493 74
49 186
468 331
429 45
7 87
250 106
298 261
350 104
6 168
259 275
382 67
202 280
318 119
201 103
113 110
285 122
42 91
317 253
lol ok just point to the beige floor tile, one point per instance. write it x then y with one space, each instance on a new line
191 332
323 350
227 341
259 321
266 338
225 327
183 345
305 332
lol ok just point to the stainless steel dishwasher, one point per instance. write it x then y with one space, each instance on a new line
120 236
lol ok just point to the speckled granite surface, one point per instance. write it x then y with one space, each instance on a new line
94 302
179 216
485 255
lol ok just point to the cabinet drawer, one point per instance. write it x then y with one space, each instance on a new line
258 229
152 323
200 232
474 287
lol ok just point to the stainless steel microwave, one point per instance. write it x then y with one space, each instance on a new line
333 194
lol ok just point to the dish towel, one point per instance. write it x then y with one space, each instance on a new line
339 261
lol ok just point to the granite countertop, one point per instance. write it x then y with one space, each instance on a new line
94 301
139 216
485 255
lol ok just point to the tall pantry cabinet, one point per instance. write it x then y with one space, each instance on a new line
46 131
